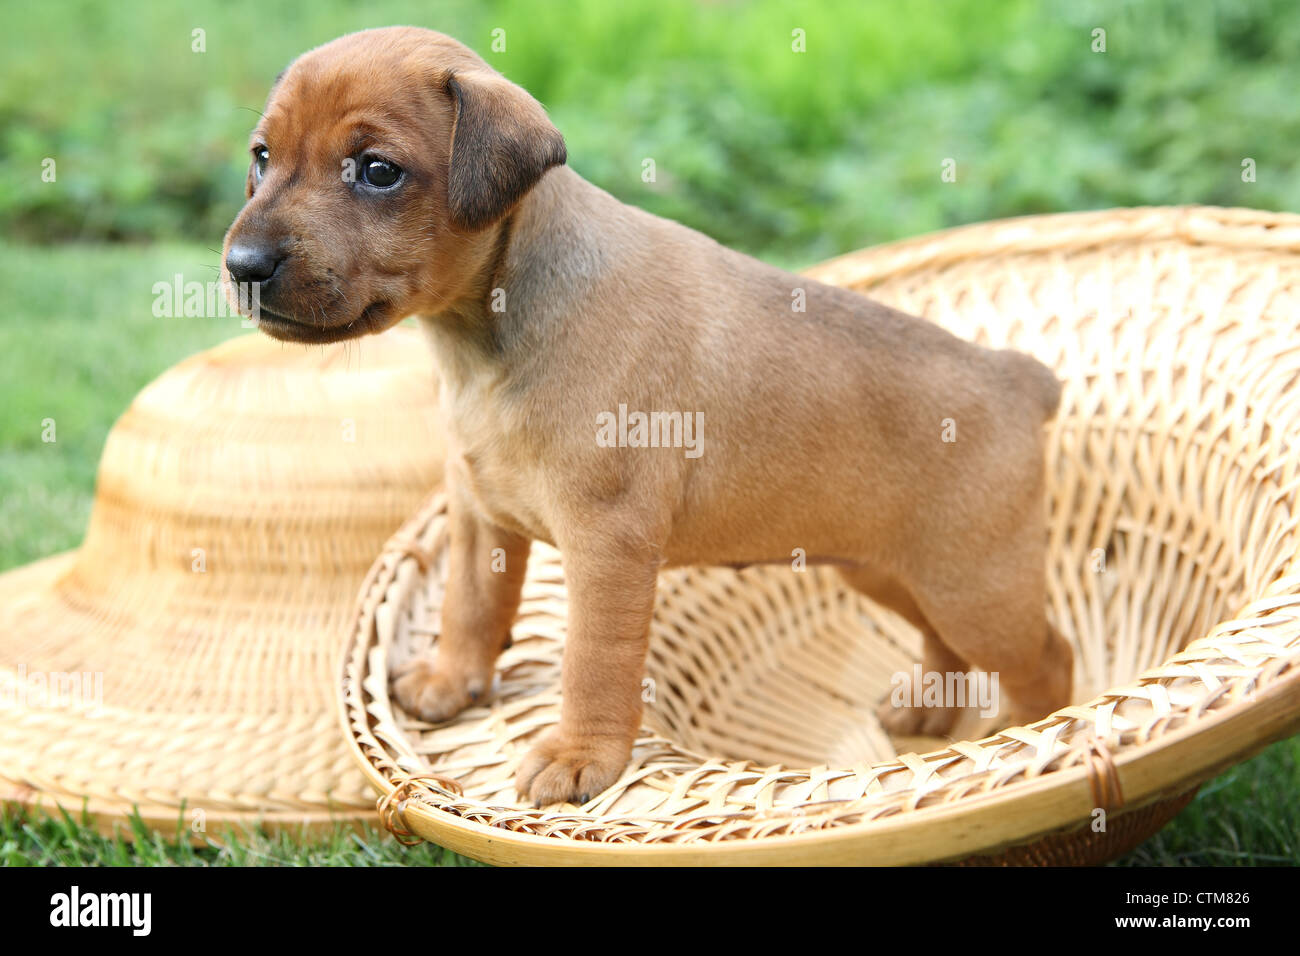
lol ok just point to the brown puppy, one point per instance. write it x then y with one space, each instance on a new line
396 173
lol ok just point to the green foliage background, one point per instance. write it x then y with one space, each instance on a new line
791 156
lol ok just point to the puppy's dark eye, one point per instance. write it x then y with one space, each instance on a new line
261 156
379 172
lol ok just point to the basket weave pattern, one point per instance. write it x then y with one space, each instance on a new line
1174 531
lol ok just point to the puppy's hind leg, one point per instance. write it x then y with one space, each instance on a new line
994 614
901 714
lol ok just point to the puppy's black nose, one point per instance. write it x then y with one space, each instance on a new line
253 262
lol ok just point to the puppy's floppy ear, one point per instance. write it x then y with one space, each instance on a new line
502 143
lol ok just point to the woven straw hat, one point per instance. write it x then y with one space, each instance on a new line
185 654
1174 535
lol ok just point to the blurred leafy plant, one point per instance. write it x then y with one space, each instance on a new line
794 156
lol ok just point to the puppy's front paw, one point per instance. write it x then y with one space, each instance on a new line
435 693
570 769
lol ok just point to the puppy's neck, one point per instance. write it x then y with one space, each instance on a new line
530 264
463 333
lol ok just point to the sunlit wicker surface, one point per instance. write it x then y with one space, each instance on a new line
240 500
1172 569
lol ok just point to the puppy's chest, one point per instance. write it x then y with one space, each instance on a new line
497 467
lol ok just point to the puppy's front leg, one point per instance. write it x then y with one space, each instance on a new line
486 566
611 598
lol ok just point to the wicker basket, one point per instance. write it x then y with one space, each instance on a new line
1172 570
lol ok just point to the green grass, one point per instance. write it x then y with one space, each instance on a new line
78 340
44 840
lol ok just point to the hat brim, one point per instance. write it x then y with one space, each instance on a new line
194 773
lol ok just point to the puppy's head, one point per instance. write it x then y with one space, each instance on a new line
380 165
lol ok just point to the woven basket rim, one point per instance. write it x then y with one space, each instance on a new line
1192 752
1243 715
1216 225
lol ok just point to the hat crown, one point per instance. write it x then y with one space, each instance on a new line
254 460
